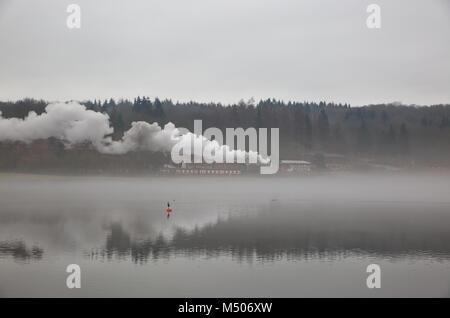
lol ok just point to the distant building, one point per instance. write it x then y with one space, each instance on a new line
207 169
295 166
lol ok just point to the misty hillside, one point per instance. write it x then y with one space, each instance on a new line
390 133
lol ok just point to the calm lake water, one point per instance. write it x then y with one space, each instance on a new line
226 237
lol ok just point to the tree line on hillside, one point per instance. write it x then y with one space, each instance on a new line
389 132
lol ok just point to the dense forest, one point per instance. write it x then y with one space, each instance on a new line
389 133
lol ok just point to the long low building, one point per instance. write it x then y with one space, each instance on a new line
208 169
180 171
286 167
295 166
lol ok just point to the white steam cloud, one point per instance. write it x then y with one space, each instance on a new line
70 122
73 124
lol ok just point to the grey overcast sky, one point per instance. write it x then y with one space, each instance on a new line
225 50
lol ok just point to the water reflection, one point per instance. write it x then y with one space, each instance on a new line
221 226
119 245
19 251
269 236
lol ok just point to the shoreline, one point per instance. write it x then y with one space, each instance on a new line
374 173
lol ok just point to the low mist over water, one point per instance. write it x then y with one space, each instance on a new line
226 236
